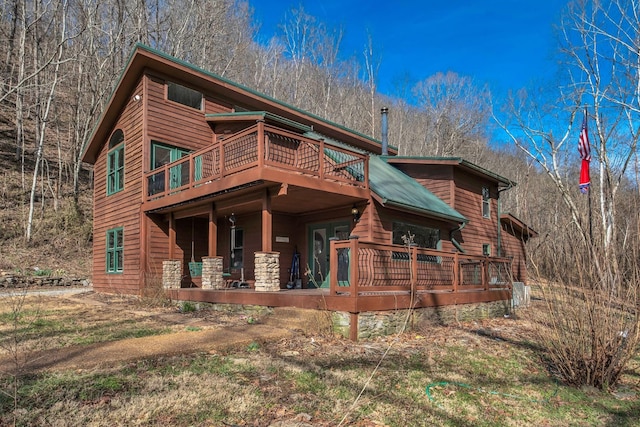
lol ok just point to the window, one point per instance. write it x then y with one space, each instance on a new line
423 237
162 154
184 95
486 249
236 247
115 239
115 163
486 202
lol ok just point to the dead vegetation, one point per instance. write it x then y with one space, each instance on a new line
489 372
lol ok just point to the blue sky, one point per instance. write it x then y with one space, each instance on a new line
505 43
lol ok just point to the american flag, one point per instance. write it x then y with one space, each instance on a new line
584 149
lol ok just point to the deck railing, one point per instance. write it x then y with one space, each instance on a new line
359 268
255 147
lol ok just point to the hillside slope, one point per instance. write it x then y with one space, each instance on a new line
61 236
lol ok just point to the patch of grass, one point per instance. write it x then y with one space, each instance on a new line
188 307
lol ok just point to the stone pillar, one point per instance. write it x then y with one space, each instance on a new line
267 271
212 273
171 274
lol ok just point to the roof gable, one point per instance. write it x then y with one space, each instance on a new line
397 189
145 59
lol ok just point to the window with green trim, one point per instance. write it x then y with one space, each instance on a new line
115 163
115 245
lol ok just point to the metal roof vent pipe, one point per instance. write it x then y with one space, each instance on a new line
384 111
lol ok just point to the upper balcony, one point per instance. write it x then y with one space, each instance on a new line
260 153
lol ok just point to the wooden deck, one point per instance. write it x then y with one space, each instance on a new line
258 155
321 299
367 276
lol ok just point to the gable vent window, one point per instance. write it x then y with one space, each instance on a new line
486 203
184 95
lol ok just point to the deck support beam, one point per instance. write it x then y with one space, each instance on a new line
353 327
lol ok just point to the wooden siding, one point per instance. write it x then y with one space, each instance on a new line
513 247
468 201
173 123
436 178
122 208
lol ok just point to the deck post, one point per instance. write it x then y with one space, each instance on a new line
456 271
261 143
353 265
333 266
414 268
485 273
353 326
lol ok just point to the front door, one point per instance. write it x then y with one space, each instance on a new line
319 235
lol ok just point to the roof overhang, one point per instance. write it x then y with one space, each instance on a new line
518 226
458 162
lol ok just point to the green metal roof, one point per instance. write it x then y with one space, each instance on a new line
395 188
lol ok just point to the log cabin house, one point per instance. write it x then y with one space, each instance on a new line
221 194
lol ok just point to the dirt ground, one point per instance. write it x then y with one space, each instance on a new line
183 332
201 331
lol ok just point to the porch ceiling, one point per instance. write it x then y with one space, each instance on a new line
290 199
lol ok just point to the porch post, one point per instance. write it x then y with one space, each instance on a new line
213 231
171 273
267 222
267 271
212 277
172 235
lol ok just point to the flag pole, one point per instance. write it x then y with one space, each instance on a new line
590 219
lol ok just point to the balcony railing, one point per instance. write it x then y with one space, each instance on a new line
258 146
359 268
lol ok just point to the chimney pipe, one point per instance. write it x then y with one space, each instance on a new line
384 111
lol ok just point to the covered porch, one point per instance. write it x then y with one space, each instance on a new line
367 277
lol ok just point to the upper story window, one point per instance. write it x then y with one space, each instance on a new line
486 202
115 163
184 95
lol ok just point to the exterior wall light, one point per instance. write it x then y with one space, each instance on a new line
356 214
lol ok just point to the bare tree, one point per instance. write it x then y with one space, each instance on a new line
454 114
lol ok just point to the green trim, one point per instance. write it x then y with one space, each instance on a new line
115 169
115 250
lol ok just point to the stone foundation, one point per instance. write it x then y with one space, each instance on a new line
267 271
171 274
212 270
381 323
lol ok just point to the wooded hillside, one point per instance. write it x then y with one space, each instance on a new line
63 57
